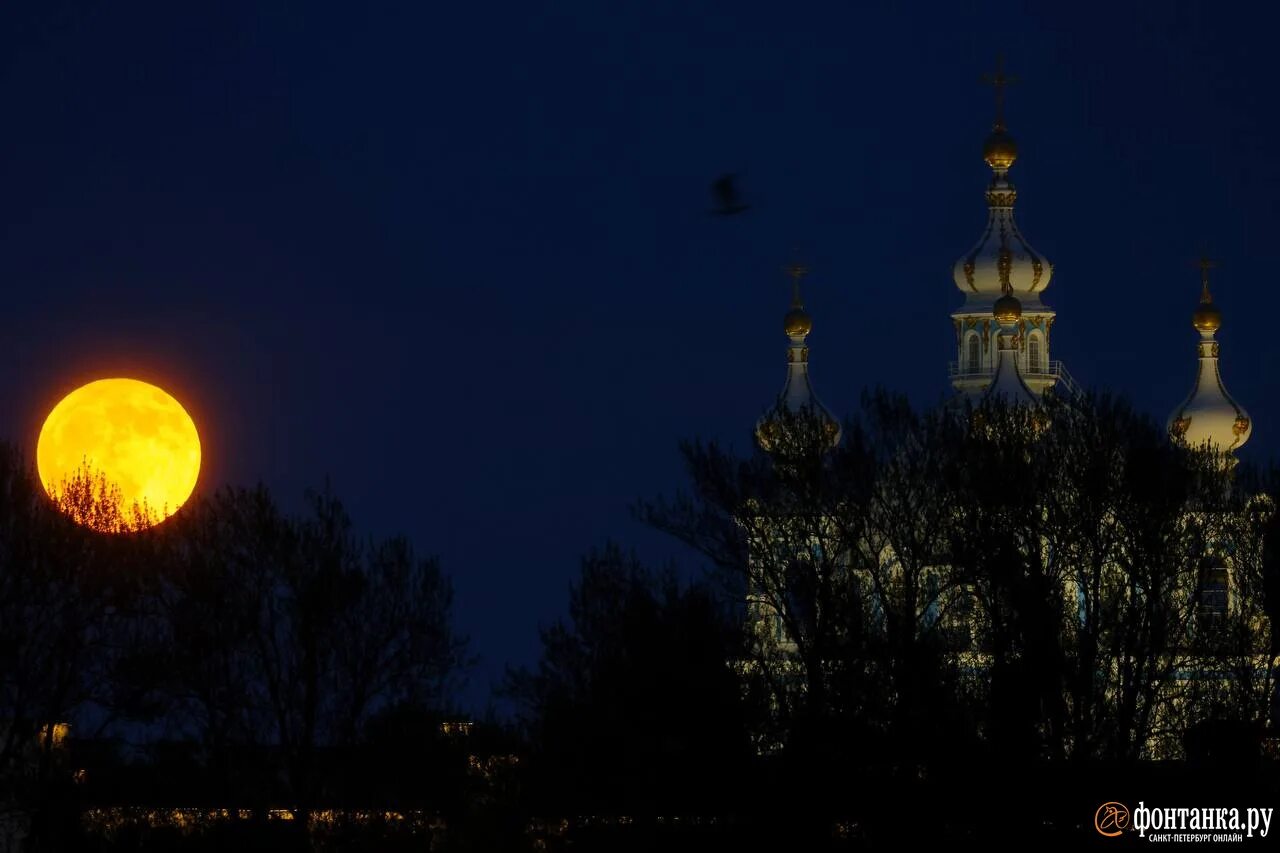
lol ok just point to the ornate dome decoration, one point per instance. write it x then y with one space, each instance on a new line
797 399
1002 255
1209 415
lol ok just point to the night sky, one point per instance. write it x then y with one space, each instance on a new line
457 259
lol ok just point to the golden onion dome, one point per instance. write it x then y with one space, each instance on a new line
999 150
1207 317
1007 310
797 323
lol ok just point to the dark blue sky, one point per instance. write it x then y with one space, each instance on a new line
457 258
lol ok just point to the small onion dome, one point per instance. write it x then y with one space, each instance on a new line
1007 310
1207 317
999 150
797 323
1209 415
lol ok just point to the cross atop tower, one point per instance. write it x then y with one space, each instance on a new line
797 271
998 80
1205 264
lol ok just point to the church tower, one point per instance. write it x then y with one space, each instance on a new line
1209 415
797 395
1002 262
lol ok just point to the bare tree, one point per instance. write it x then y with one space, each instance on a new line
290 632
67 598
1035 569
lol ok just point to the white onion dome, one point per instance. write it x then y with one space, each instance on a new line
1002 257
1209 415
797 397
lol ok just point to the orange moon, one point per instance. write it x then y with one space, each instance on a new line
131 433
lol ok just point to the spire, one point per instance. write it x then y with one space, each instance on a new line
1209 415
797 397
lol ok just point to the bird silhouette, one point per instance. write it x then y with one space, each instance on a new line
728 200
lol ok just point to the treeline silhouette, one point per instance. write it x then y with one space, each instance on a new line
955 623
260 658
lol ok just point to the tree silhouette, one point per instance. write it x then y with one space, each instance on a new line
1022 584
93 500
291 632
68 601
633 707
269 640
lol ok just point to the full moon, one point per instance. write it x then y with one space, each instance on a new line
129 433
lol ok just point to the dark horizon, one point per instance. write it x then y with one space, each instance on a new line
466 272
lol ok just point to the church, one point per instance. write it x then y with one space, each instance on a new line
1003 337
1002 329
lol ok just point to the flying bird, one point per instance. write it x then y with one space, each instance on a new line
728 200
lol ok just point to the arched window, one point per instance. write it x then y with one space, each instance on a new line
1034 364
974 359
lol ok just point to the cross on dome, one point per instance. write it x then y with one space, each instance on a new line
1207 317
797 271
998 81
1205 264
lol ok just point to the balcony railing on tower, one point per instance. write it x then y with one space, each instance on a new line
1054 370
